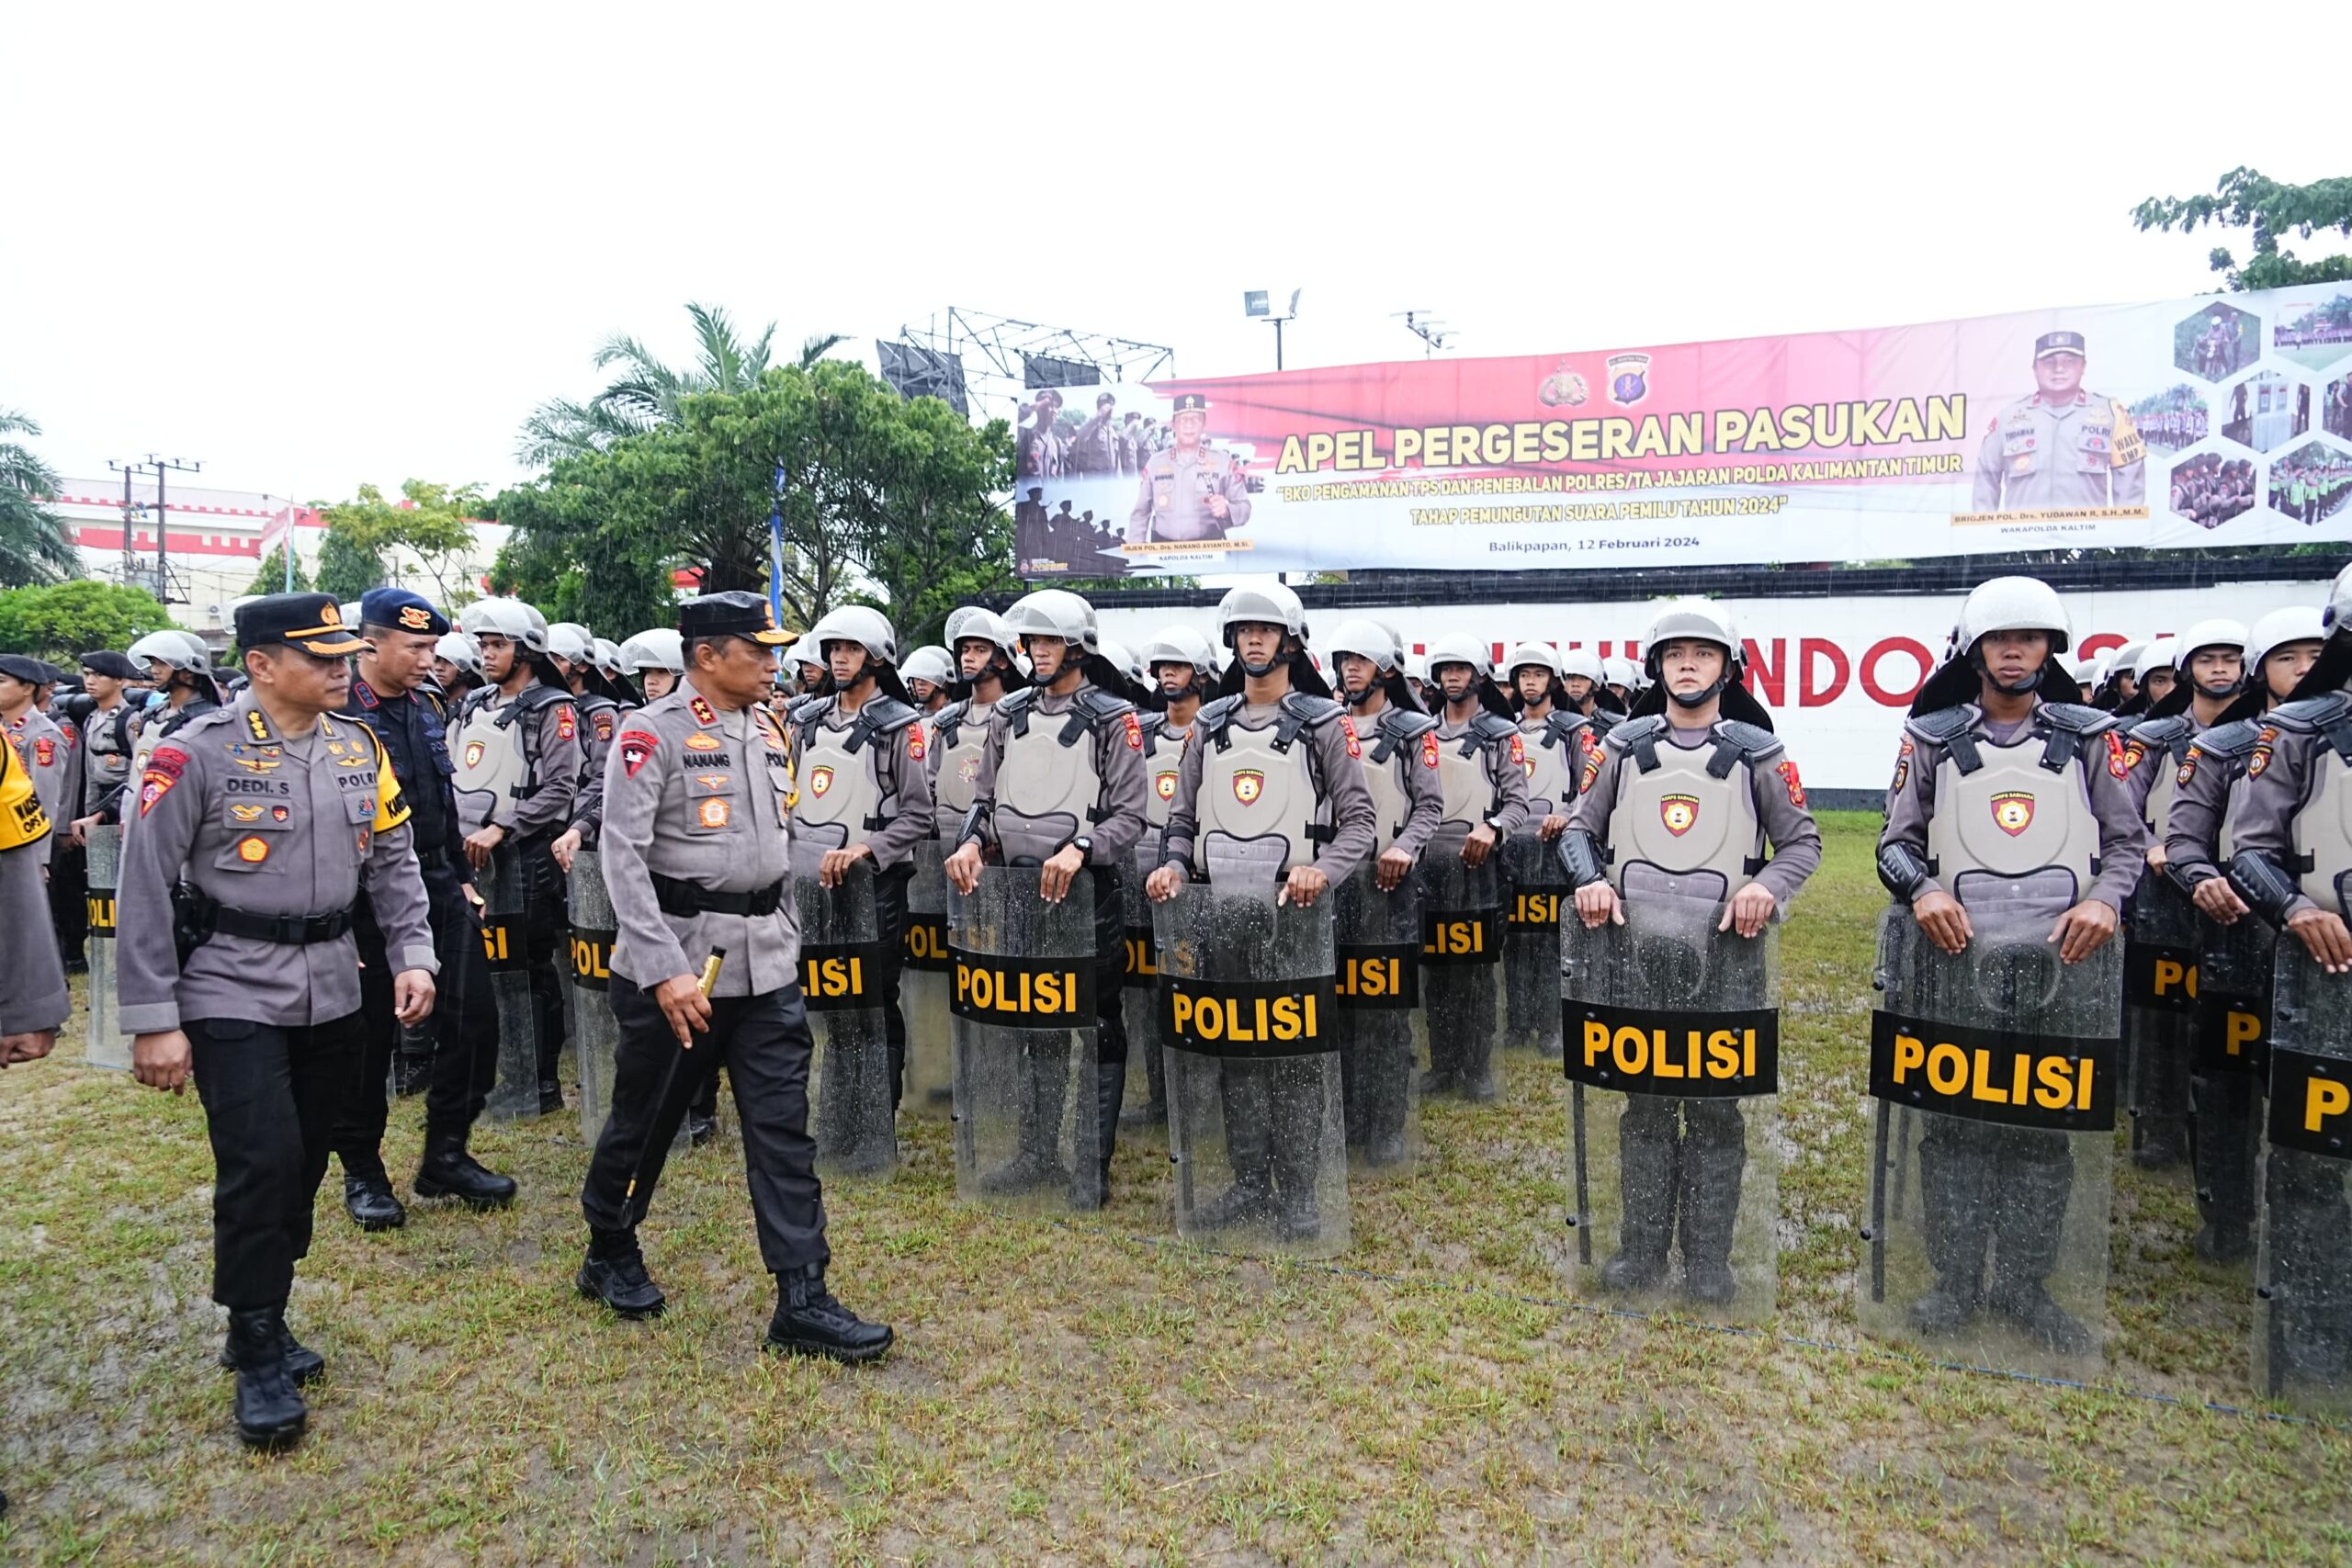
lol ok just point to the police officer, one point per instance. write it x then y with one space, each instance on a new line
1190 490
656 661
927 672
42 747
2063 447
1482 773
181 668
1306 822
1556 741
1697 750
517 779
573 650
1981 728
392 695
698 787
1398 753
107 734
1587 684
1183 671
268 811
33 1000
865 789
456 667
1061 786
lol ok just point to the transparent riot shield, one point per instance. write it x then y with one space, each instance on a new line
922 988
1535 886
1250 1025
841 964
595 1032
2302 1324
1022 995
1462 949
1384 1031
1670 1039
1147 1091
2160 992
1994 1069
2230 1065
505 892
107 1046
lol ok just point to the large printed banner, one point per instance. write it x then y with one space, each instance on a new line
1837 674
2196 422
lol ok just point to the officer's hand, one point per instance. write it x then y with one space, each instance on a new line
160 1060
1941 915
964 867
32 1047
836 864
480 841
1304 886
1163 885
2324 938
685 1007
566 845
1479 845
1389 872
2218 900
1597 906
413 995
2084 929
1219 507
1750 909
1054 878
80 830
1551 828
2156 858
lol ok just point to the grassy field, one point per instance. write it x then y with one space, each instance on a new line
1093 1392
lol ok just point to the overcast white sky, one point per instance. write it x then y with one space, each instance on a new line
318 245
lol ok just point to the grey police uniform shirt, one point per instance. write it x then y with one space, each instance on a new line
1423 788
700 794
1504 770
272 825
1354 829
2200 804
1788 826
108 736
901 767
2264 822
48 755
2149 765
1118 763
33 982
2123 833
2041 456
1173 502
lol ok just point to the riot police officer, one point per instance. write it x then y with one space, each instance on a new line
1585 680
656 659
267 813
927 672
47 754
108 732
1061 786
456 667
1182 668
1685 793
391 695
706 972
1556 741
33 1000
986 654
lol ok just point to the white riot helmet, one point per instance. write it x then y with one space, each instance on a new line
459 650
930 662
178 649
2014 605
2125 661
1619 671
571 641
1275 604
1456 648
514 620
1704 619
470 618
2216 633
1054 611
351 616
1181 645
1585 662
1117 655
973 624
1537 653
2336 615
1367 639
2157 655
606 655
805 651
857 623
2296 623
660 648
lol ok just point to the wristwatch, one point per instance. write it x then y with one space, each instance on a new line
1084 846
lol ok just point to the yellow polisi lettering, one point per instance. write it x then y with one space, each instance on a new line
2047 1081
1713 1055
2240 1029
991 990
1372 978
2325 1100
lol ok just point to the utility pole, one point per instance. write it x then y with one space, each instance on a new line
129 510
163 520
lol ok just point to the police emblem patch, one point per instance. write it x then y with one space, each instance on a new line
252 850
603 727
244 813
1787 772
969 770
713 813
914 742
1680 813
415 618
2118 765
1248 784
1428 750
1135 733
1164 784
2187 767
45 751
567 723
819 781
2013 811
636 747
474 750
1355 747
698 741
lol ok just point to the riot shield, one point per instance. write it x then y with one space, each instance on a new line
1250 1025
2160 989
595 1032
1022 995
1462 942
1384 1032
506 891
841 968
1670 1039
2227 1072
2303 1324
1536 886
1147 1091
922 988
1994 1073
108 1046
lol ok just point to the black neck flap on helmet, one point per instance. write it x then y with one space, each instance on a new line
2183 693
2332 672
1558 696
1303 676
1734 702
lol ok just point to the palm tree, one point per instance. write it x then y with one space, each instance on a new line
35 544
647 392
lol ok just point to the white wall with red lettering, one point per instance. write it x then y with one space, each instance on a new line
1836 674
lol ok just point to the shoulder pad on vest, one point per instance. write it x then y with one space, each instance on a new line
1626 731
1604 720
2309 714
1400 724
2234 739
957 712
1493 726
2156 732
889 716
197 723
1015 702
1753 740
1215 716
2078 718
1944 724
1311 711
1101 706
800 707
1564 726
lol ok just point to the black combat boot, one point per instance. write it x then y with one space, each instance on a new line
1153 1111
809 1322
447 1170
1043 1067
302 1363
369 1202
270 1412
614 1273
1648 1180
1715 1166
1090 1183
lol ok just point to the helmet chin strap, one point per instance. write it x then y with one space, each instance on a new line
1700 698
2031 684
1357 699
2221 694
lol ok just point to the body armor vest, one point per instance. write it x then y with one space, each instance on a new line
2323 823
960 731
1397 742
1163 757
497 759
1685 818
1048 790
2013 823
1260 810
841 797
1462 777
162 725
1554 751
2230 747
2166 741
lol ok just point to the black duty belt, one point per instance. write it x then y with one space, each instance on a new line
687 898
432 860
290 930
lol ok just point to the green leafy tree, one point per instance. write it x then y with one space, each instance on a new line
36 545
271 577
348 568
429 532
63 622
2270 212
